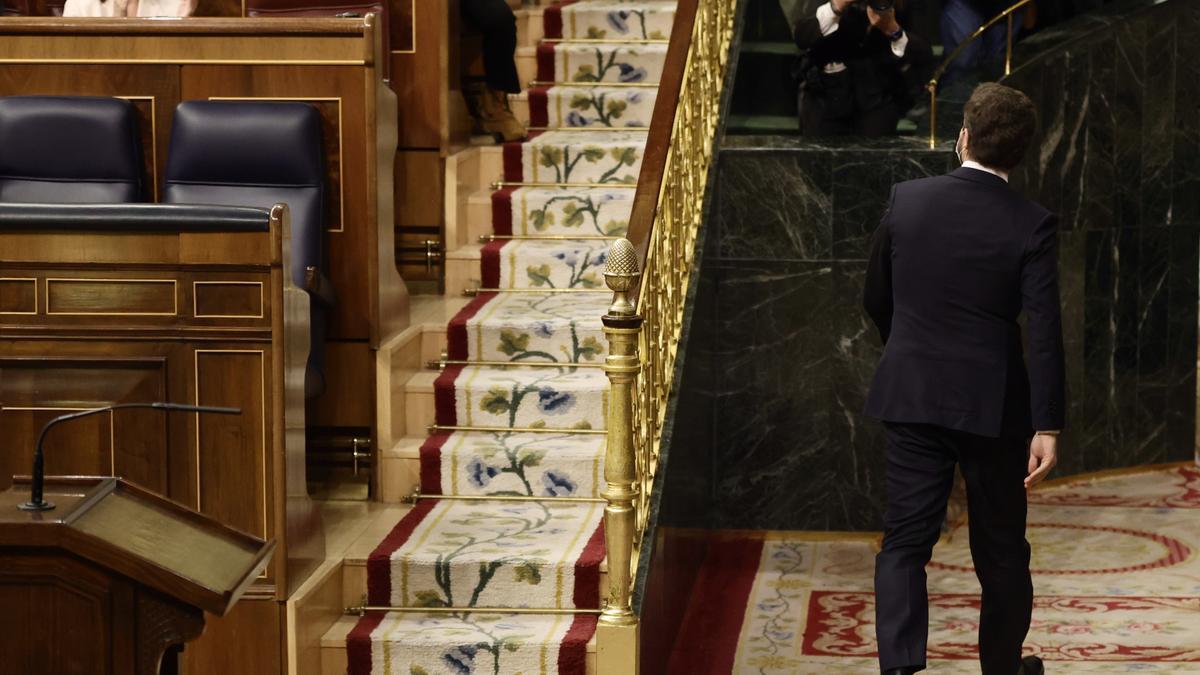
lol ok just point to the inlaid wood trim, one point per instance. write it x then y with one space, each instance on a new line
32 280
262 455
113 280
412 27
262 299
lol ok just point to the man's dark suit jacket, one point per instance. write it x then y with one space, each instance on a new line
955 260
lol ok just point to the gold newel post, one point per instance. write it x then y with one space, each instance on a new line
617 633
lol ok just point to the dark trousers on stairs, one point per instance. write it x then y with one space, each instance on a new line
920 475
498 25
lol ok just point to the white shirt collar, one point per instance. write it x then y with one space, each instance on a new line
972 164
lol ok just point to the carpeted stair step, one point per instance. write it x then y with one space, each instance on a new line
576 157
508 463
437 644
554 211
543 327
567 106
523 554
600 62
610 19
522 398
556 264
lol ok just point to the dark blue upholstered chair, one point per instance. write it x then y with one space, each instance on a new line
69 149
257 153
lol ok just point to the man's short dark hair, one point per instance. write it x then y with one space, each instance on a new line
1001 122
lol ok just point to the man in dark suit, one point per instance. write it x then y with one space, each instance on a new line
955 261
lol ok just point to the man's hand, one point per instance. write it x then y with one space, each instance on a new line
884 22
840 6
1043 455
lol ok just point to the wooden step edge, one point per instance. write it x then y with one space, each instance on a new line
421 382
333 648
469 251
408 447
335 637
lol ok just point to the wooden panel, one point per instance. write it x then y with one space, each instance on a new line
350 372
220 8
245 642
18 296
420 78
404 33
112 297
178 49
228 299
337 91
34 587
131 443
418 187
231 450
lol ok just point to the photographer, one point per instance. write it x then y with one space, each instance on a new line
861 68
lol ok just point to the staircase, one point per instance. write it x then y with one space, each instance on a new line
498 567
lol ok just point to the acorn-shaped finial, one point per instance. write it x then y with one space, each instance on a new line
621 272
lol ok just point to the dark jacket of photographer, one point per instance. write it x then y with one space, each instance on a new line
873 74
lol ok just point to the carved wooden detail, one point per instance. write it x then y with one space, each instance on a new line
161 625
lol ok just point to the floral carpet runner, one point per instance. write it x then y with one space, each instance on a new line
1116 573
529 429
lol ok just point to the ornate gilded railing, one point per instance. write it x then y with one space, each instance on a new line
654 265
932 86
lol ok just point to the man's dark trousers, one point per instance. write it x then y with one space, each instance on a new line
920 475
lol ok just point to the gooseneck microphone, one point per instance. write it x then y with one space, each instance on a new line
36 501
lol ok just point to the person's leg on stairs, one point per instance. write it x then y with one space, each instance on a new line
497 24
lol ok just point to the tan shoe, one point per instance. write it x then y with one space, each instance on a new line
492 114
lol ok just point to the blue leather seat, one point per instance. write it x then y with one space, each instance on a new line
69 149
257 153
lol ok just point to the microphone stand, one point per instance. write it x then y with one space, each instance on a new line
36 490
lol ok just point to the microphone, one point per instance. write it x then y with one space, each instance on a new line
36 489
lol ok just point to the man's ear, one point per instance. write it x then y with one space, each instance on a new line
966 143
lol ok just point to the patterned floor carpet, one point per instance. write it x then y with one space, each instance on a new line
1116 564
521 412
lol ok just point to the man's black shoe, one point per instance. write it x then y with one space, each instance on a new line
1031 665
902 671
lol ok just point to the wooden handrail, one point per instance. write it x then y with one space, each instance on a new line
662 123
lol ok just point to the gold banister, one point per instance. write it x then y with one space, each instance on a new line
941 69
643 334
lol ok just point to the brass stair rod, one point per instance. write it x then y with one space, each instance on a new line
361 610
416 497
